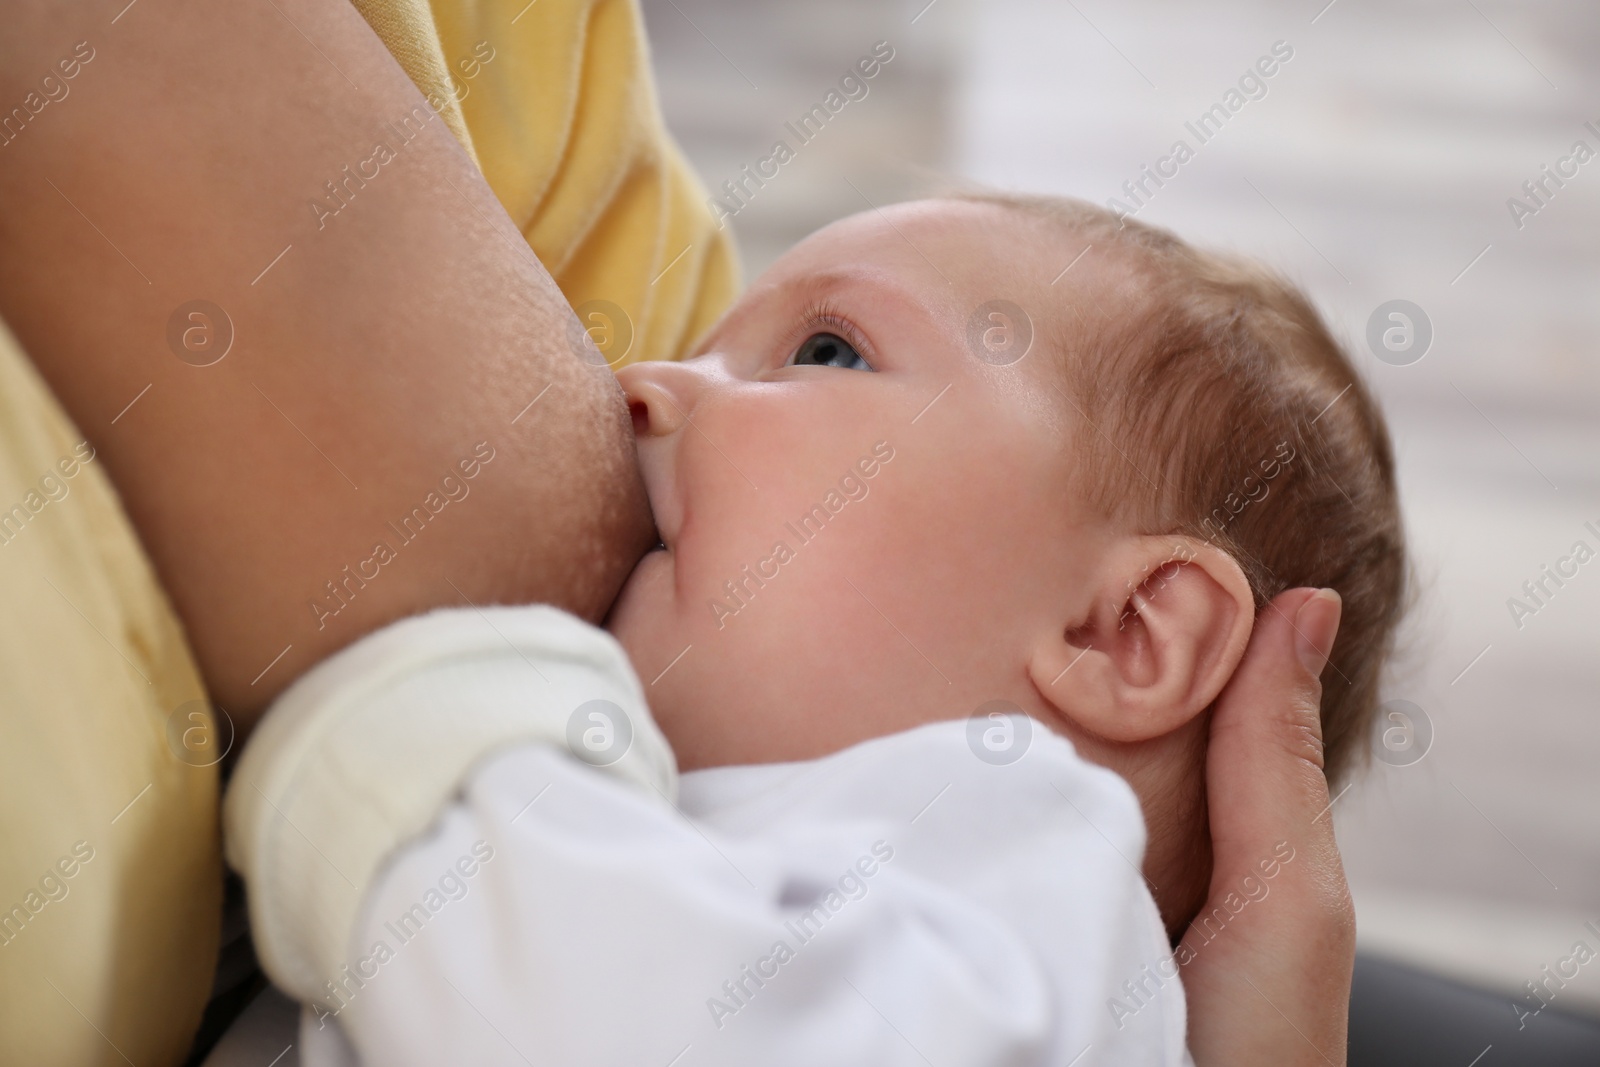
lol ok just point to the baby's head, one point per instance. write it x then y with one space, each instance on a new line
887 500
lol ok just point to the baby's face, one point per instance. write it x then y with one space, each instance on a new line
867 518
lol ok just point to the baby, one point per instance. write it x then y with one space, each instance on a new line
1180 441
966 512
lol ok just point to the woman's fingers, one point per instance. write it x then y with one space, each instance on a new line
1264 763
1266 964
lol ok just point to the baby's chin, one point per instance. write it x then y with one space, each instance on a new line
640 607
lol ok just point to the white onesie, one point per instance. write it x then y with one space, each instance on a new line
438 878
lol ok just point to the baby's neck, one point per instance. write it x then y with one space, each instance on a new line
1168 776
1177 864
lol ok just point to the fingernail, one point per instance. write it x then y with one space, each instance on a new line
1315 626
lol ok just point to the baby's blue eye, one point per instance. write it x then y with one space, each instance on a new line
828 350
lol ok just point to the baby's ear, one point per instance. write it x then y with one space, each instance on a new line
1166 625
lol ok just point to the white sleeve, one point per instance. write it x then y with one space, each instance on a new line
541 912
360 756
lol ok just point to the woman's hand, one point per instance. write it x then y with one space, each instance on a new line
1267 964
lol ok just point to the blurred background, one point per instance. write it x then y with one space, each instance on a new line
1377 167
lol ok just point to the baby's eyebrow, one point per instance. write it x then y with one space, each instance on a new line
812 288
827 282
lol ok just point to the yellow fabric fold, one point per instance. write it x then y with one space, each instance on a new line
110 870
555 101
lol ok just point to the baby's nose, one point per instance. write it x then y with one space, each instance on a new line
661 395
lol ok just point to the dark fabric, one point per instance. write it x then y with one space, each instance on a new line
1403 1016
238 977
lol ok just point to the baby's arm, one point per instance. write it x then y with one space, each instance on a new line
373 351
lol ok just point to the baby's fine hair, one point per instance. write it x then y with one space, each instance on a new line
1221 408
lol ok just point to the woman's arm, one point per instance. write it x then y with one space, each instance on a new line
390 330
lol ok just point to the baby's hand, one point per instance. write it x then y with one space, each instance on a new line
1274 985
